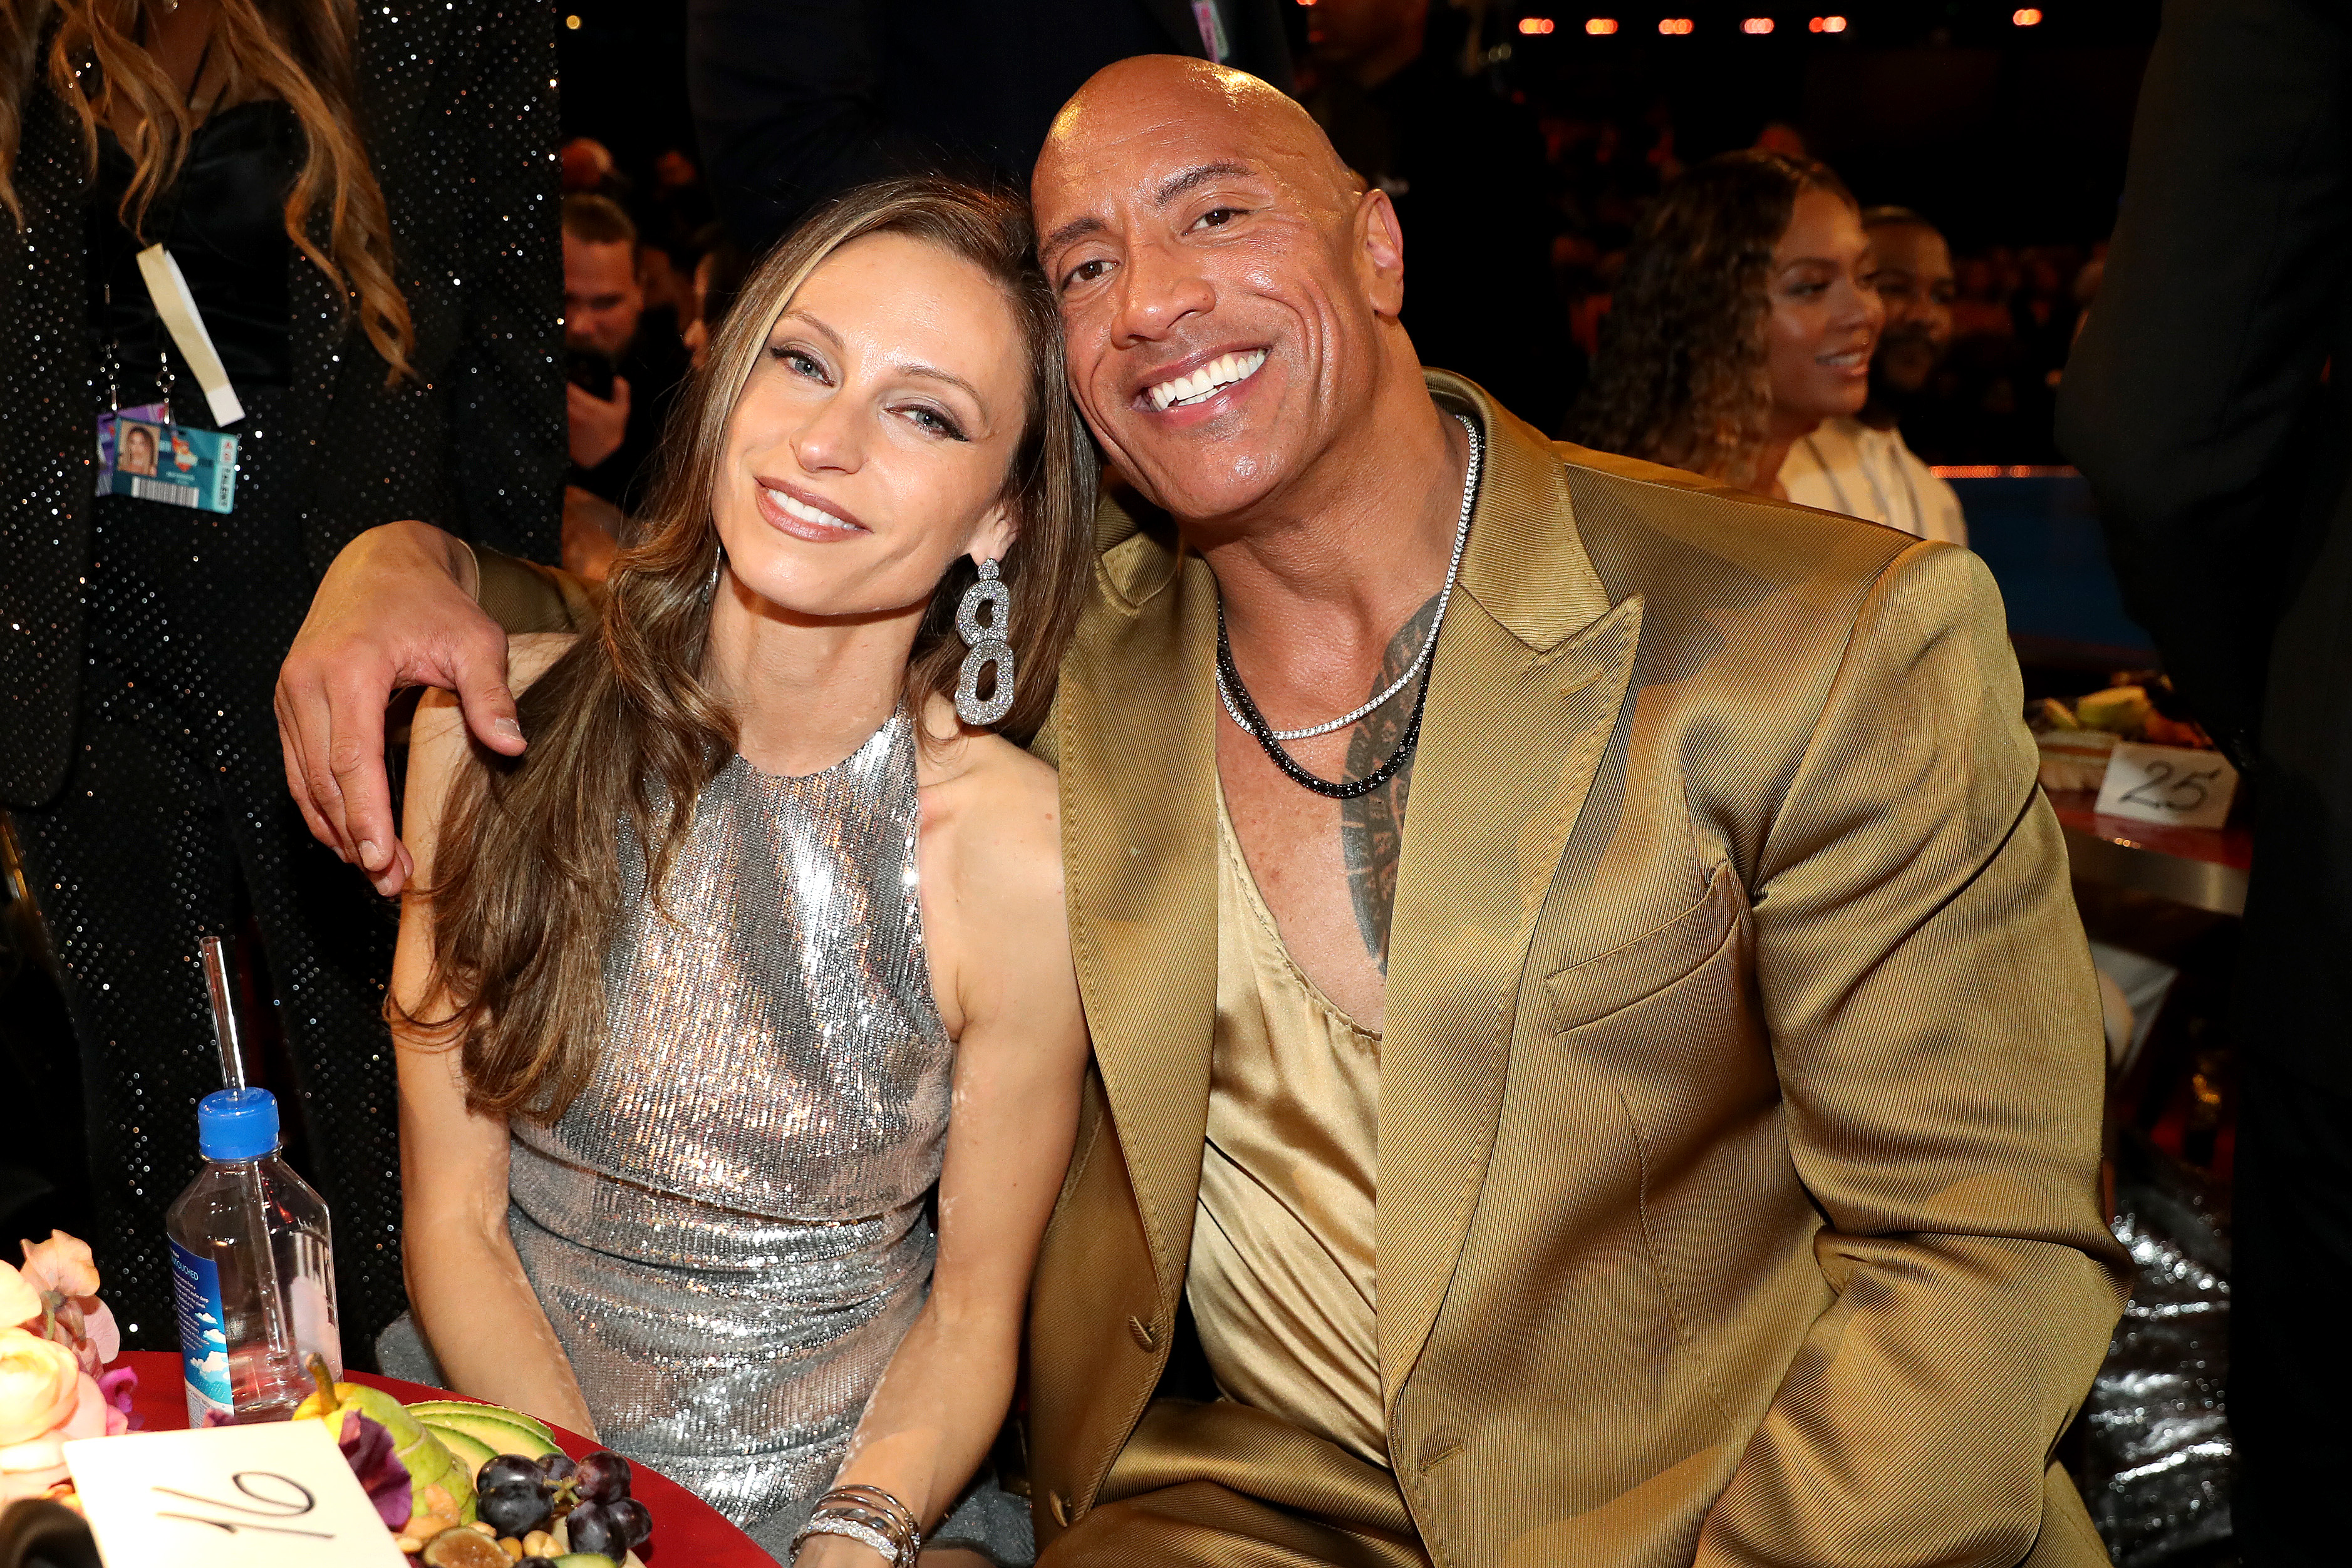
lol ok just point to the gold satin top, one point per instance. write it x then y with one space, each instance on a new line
1281 1282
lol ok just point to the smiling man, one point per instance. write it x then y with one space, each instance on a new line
1596 1059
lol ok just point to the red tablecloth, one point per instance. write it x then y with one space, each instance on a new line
688 1531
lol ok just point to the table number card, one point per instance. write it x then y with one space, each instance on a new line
2173 784
277 1495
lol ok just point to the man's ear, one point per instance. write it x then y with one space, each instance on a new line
1379 252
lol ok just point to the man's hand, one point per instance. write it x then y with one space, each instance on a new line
597 426
396 610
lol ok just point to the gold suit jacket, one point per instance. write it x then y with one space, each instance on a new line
1741 1083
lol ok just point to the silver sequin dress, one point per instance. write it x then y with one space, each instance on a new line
728 1228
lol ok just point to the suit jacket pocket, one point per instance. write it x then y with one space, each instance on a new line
1586 992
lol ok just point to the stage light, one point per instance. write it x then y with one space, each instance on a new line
1535 25
572 23
1674 27
1601 26
1758 25
1827 25
2026 17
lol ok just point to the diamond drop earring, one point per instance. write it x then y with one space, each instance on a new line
986 641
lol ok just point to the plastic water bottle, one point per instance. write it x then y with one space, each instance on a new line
252 1258
253 1274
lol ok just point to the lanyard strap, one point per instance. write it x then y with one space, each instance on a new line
176 308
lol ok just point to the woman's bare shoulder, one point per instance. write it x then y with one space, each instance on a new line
1000 809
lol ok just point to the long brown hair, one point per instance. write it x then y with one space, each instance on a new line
297 51
1680 376
623 727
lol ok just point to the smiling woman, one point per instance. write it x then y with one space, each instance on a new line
1745 316
684 995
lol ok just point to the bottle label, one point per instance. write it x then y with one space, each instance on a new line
204 1339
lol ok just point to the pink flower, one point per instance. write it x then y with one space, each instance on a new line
116 1388
31 1468
20 1299
62 1264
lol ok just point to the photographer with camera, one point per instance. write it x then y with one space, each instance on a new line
625 363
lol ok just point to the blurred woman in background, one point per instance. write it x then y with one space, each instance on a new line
1745 320
361 203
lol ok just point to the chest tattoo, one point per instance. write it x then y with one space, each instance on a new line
1371 826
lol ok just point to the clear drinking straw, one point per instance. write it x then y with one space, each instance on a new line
283 1367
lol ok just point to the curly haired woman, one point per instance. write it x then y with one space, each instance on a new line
1746 318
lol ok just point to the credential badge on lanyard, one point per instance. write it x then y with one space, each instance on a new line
140 451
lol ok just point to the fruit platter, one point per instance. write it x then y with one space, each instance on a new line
462 1485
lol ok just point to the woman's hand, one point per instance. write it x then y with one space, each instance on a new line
396 610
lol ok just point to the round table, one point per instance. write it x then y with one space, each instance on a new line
688 1531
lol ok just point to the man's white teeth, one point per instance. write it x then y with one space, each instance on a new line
1213 377
792 506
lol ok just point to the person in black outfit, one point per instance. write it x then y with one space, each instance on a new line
2206 402
1467 172
795 100
607 327
139 641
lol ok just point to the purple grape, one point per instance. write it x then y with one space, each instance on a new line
514 1513
536 1562
508 1472
636 1521
591 1528
603 1476
557 1467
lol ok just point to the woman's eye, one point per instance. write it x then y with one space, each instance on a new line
798 362
935 423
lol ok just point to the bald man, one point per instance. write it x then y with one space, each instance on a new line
1671 1140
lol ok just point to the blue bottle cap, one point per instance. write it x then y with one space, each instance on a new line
237 1124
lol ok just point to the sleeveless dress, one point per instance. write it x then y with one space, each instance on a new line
729 1229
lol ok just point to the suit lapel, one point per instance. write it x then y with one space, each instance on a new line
1528 675
1137 745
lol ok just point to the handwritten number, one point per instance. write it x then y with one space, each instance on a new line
2138 794
276 1507
2166 793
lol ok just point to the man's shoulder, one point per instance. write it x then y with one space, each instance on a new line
1666 534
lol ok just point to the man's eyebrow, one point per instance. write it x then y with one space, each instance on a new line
1198 175
1174 186
1077 228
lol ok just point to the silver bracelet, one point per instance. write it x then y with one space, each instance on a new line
864 1534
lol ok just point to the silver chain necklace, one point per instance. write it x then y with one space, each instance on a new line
1452 570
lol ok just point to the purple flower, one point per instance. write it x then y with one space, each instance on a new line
115 1386
367 1449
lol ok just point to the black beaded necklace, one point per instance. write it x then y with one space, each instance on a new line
1243 710
1255 724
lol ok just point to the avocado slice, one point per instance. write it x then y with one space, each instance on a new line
433 1410
468 1450
499 1437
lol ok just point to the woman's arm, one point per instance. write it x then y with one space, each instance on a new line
466 1284
1000 941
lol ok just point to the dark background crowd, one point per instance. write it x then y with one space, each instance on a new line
1521 143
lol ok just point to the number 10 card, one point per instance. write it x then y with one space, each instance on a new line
277 1495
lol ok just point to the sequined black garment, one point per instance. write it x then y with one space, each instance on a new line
139 642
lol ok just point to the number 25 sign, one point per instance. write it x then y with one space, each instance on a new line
2173 784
